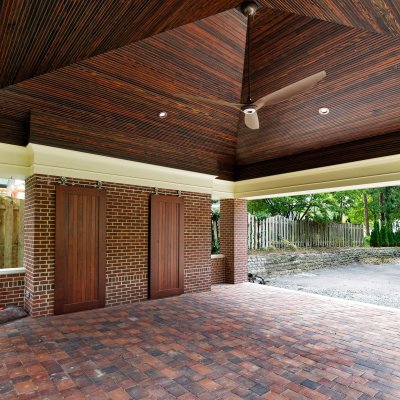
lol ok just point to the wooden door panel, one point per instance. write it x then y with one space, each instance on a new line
166 246
80 249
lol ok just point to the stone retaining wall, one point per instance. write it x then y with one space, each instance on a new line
269 264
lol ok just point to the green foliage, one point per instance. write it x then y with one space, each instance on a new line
333 207
375 235
270 249
215 239
215 247
384 235
288 245
367 241
380 204
318 207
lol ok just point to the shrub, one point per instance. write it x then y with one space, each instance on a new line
390 235
215 248
367 241
384 234
288 245
375 235
270 249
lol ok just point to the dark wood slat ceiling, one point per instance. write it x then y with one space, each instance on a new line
362 87
363 149
382 16
112 85
43 35
110 103
75 135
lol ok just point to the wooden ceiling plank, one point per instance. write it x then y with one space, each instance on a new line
360 88
381 16
125 89
43 35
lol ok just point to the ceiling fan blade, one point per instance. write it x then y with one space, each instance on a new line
251 120
211 101
290 91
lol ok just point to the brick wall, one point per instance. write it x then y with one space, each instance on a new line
197 242
12 289
127 242
218 275
233 237
39 244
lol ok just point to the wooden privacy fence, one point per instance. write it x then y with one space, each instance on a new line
273 231
11 232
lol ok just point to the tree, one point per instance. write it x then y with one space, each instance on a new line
355 206
366 215
319 207
215 237
374 235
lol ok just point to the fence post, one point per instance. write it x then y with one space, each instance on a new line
264 232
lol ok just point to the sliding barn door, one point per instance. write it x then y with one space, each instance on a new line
166 246
80 249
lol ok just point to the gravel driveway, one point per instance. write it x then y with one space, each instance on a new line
375 284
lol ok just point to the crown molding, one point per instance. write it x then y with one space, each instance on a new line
15 161
21 162
375 172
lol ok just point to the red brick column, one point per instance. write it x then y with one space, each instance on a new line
233 232
39 245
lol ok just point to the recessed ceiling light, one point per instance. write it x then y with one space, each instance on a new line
324 111
162 114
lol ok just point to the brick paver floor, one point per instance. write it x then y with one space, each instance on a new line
236 342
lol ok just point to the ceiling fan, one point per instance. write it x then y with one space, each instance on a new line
250 108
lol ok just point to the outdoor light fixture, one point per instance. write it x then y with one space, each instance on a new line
324 111
162 114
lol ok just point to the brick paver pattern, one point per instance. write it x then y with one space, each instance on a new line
237 342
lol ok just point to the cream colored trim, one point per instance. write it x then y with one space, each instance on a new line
21 162
223 189
214 256
383 171
11 271
15 161
68 163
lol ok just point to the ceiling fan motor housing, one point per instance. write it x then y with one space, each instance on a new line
249 8
249 109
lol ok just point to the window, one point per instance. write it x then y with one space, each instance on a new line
12 199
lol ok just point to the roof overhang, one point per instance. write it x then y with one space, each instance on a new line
21 162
